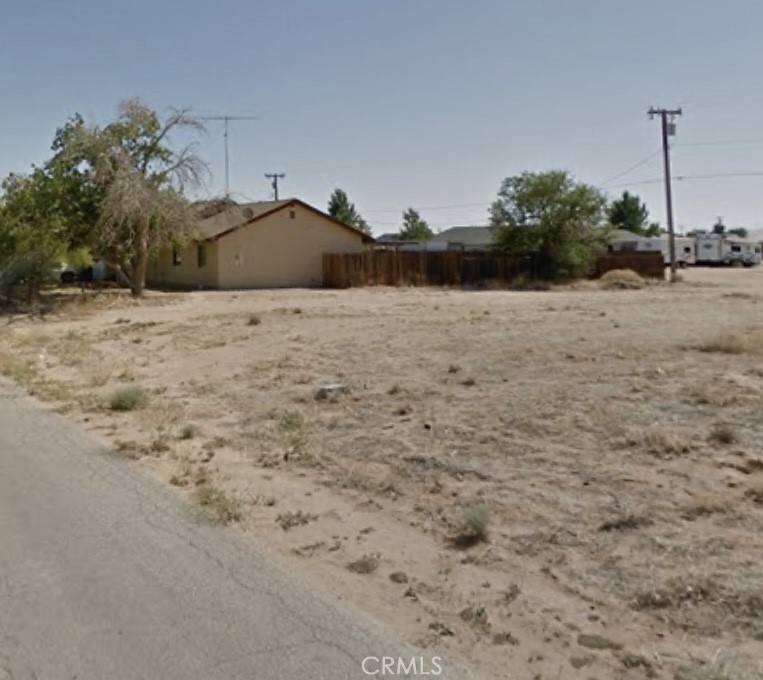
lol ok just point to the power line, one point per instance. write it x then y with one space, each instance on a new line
725 142
683 178
633 167
430 207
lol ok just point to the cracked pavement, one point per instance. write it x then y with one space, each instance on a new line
104 574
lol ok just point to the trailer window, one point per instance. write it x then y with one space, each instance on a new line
687 249
736 249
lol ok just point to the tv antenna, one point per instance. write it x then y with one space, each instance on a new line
225 120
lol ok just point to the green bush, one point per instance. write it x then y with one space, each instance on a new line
128 399
474 525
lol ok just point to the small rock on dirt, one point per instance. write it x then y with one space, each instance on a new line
398 577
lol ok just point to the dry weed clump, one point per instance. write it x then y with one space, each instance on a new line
289 520
754 490
128 399
715 669
703 604
743 341
621 279
21 372
626 523
718 395
217 506
473 527
702 506
722 434
664 442
189 431
367 564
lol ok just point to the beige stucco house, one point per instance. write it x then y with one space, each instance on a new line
269 244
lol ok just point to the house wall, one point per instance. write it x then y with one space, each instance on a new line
281 250
162 272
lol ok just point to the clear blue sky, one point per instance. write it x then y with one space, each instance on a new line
410 102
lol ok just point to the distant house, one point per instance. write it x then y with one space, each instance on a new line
465 238
622 239
268 244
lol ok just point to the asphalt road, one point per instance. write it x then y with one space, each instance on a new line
106 575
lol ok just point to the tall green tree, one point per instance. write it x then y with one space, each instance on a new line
342 209
630 212
127 183
414 227
551 214
33 236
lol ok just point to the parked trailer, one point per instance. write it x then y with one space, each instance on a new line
742 250
721 250
685 252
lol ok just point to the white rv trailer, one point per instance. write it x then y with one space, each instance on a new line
742 250
725 249
685 252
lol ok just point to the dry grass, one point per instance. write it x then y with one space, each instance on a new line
621 279
289 520
744 341
717 394
601 484
661 441
19 370
703 506
715 669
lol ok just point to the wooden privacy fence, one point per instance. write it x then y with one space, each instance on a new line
459 268
650 265
448 268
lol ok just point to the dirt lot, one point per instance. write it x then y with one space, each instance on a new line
562 484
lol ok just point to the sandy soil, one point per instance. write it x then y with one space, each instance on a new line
614 438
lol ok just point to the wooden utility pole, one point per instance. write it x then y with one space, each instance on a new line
667 117
275 176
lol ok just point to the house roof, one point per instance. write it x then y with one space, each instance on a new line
233 216
468 236
624 235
